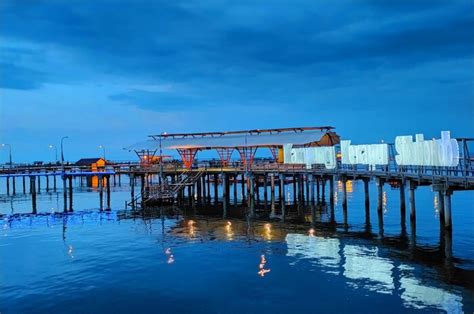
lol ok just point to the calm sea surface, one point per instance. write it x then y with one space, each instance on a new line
173 260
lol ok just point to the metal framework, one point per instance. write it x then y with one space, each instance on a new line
247 154
274 151
187 155
145 156
225 153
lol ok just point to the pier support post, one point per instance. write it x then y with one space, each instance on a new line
242 186
265 192
344 192
235 190
216 192
257 190
107 182
300 196
380 183
402 207
47 183
282 196
447 209
142 185
39 184
323 190
33 193
101 193
441 208
8 185
70 193
306 184
318 195
251 195
204 190
208 188
272 195
132 189
198 192
13 185
295 200
344 199
311 197
225 195
367 201
412 201
24 184
54 182
331 190
64 178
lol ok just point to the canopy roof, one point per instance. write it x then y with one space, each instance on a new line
304 136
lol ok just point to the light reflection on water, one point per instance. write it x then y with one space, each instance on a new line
108 246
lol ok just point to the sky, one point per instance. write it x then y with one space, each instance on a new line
112 72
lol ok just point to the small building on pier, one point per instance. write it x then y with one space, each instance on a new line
95 165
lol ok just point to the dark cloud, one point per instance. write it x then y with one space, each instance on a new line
176 40
17 77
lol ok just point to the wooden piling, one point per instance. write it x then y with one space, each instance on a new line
272 195
251 195
366 194
47 183
441 208
39 184
295 200
380 183
265 192
447 210
70 193
107 182
101 193
54 182
198 192
8 185
242 186
225 195
323 190
132 189
412 201
235 190
33 193
24 184
282 196
331 190
216 191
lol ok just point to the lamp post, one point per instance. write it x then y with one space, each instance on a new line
103 150
55 152
10 155
62 150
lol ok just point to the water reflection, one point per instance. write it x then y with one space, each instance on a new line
361 264
365 268
262 271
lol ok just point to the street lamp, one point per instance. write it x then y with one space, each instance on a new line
10 149
103 150
55 152
62 150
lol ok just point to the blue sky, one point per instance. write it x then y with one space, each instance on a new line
112 72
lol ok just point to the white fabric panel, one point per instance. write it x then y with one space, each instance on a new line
373 154
310 155
443 152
